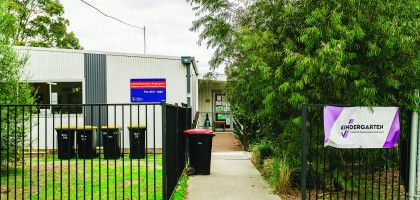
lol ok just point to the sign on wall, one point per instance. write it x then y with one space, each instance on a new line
150 90
361 127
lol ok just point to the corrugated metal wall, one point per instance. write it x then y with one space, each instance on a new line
122 68
106 77
96 88
55 65
95 78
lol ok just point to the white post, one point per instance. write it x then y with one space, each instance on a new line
418 159
412 177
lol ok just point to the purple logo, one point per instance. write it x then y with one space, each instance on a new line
346 131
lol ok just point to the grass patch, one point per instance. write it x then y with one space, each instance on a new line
181 189
52 178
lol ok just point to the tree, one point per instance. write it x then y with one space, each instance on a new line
12 91
281 54
41 23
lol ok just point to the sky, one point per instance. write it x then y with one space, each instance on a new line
167 27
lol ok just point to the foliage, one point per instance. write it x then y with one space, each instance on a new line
278 173
41 23
262 151
279 55
12 119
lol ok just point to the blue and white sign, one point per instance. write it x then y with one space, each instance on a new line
150 90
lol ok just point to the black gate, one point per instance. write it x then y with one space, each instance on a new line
332 173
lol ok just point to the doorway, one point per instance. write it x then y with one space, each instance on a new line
221 113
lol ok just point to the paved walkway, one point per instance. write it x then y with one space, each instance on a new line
225 141
233 177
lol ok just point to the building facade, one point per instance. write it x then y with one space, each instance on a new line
62 76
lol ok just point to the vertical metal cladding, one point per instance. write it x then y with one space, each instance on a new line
52 65
123 67
96 87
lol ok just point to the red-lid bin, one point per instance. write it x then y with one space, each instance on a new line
198 131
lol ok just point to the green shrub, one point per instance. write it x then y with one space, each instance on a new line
281 54
278 174
13 120
262 151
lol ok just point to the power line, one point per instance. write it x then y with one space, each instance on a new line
121 21
109 16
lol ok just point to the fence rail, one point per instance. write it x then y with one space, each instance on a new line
332 173
90 151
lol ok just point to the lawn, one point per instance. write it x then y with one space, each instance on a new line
79 179
181 190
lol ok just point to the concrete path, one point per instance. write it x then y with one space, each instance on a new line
233 177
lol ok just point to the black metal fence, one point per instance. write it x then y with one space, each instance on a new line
176 120
91 151
332 173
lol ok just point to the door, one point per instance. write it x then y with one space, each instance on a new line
221 110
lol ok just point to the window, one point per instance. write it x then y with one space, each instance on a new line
61 93
41 92
67 93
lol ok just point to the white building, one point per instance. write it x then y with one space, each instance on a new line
92 77
212 102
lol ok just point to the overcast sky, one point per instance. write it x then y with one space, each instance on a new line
167 23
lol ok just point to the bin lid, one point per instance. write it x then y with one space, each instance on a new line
76 127
111 127
65 127
137 126
198 131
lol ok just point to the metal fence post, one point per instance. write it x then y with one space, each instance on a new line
413 155
304 121
176 139
418 145
418 159
164 153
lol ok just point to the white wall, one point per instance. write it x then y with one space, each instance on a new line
48 136
50 65
124 117
46 125
121 68
59 65
205 91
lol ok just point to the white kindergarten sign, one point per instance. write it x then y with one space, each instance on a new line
361 127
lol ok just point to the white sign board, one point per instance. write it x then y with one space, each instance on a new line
54 98
361 127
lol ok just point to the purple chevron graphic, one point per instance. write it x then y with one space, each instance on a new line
346 132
